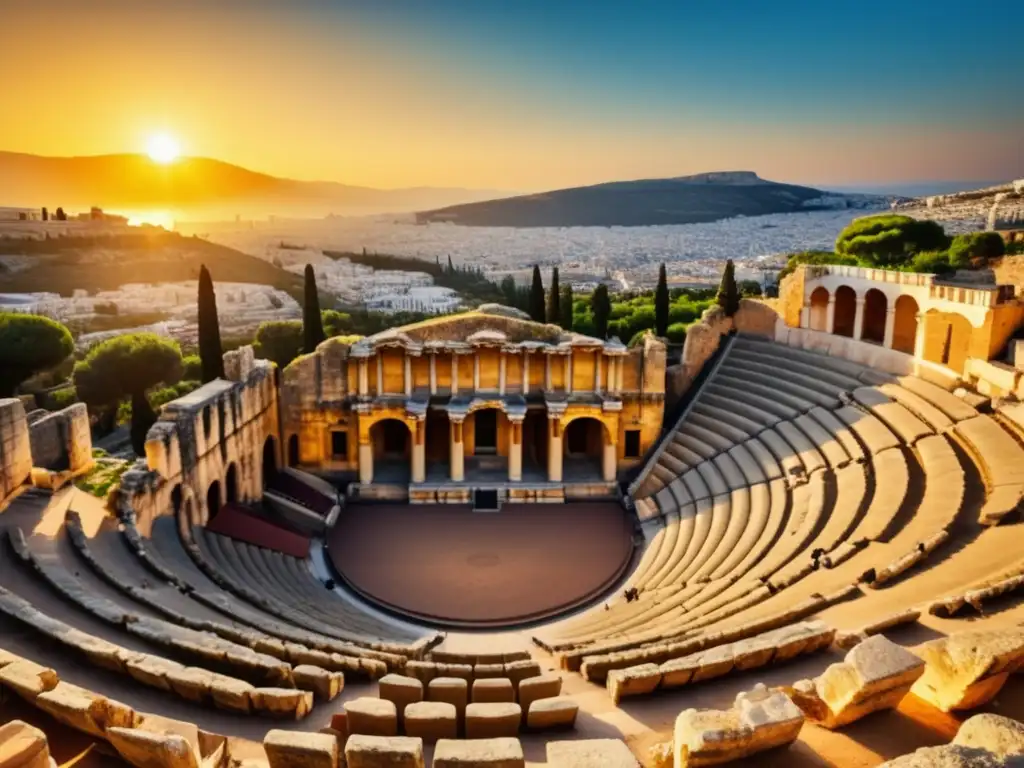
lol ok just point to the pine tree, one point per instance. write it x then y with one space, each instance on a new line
554 297
537 297
312 323
565 307
728 297
210 351
509 290
661 304
601 307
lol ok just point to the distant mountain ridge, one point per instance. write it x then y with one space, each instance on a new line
133 182
648 202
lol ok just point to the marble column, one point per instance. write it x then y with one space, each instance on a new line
919 337
364 378
547 373
608 461
515 452
830 314
476 372
380 375
526 371
408 376
858 319
501 372
365 462
554 450
456 460
419 452
433 373
598 359
568 373
618 374
455 374
890 327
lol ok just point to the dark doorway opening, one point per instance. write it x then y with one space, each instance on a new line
485 501
576 437
394 437
486 425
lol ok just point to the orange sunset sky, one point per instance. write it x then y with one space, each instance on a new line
520 96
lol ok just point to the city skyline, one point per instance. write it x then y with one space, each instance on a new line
527 97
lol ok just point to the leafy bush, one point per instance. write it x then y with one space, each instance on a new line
815 258
975 249
60 399
931 262
676 333
279 341
192 368
889 241
29 344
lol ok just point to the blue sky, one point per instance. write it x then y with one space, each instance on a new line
530 94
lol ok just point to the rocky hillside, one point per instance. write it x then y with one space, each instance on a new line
685 200
993 208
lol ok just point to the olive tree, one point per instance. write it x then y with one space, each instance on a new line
128 366
29 344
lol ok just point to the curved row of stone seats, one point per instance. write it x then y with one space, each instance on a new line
773 647
222 571
181 611
197 684
142 623
1001 459
977 596
300 642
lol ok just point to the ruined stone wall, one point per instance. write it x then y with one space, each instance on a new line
15 448
202 441
62 440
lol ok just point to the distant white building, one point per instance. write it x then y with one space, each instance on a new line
432 300
21 214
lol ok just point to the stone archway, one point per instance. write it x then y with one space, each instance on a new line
391 442
583 445
536 435
818 317
875 307
269 459
231 484
845 310
213 499
438 443
904 331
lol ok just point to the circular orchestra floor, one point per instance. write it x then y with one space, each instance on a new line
451 566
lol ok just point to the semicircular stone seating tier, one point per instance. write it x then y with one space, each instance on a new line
793 481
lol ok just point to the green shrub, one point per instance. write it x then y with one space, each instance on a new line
887 240
676 333
931 262
192 368
976 249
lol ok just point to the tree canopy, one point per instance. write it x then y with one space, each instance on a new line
210 350
887 240
127 366
279 340
661 303
554 297
312 323
537 309
728 297
29 344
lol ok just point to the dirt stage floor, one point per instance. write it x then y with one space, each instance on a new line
458 567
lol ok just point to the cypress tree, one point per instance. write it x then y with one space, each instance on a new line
565 308
554 296
537 297
210 351
661 303
728 297
312 323
601 306
450 267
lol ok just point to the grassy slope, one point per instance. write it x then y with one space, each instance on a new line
104 263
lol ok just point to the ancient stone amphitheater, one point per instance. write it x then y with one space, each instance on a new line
826 570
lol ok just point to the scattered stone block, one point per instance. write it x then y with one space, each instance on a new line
231 694
948 756
152 670
493 689
142 747
479 753
326 685
363 751
492 721
999 735
452 690
874 675
401 691
431 720
282 702
634 681
84 710
552 713
295 749
967 669
372 717
590 753
759 720
517 671
485 671
23 746
540 687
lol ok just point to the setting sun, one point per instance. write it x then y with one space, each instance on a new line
163 149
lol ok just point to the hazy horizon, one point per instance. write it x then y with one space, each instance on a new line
525 97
